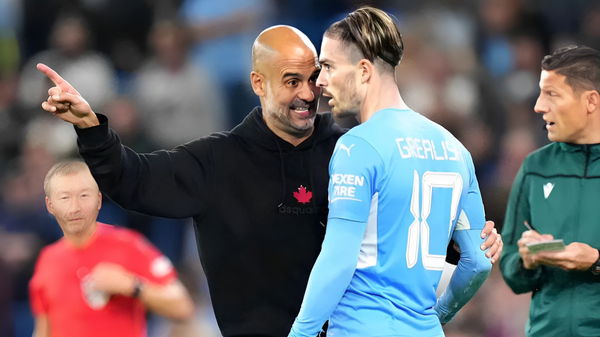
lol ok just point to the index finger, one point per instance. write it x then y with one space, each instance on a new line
57 79
52 75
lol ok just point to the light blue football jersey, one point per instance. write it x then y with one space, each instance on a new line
411 181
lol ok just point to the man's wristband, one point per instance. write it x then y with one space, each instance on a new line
137 288
595 268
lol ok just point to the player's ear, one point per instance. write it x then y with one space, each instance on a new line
99 200
258 83
366 69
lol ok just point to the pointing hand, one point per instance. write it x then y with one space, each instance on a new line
65 102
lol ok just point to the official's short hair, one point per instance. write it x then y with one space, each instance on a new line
63 168
373 32
579 64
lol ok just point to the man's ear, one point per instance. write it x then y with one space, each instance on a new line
366 69
49 205
99 200
592 101
258 83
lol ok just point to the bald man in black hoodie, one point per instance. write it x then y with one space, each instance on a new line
257 193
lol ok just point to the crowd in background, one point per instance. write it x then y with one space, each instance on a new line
168 71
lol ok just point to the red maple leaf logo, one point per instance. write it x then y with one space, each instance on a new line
303 196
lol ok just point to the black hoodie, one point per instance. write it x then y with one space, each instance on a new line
258 204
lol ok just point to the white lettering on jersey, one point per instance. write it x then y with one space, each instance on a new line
344 186
426 149
347 179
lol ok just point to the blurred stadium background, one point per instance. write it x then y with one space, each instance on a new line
167 71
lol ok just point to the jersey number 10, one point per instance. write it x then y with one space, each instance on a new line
419 229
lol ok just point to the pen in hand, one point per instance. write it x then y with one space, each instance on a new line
528 225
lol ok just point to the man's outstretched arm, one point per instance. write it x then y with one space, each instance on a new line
163 183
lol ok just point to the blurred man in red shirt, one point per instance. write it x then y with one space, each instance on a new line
98 280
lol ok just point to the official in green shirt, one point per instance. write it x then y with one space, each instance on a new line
556 195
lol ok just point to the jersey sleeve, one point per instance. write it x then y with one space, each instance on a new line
149 263
473 266
472 214
330 276
352 175
37 299
472 270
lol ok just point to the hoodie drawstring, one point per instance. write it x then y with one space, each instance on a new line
282 174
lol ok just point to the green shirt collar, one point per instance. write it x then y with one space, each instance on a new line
593 148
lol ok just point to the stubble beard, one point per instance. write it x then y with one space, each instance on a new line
282 120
